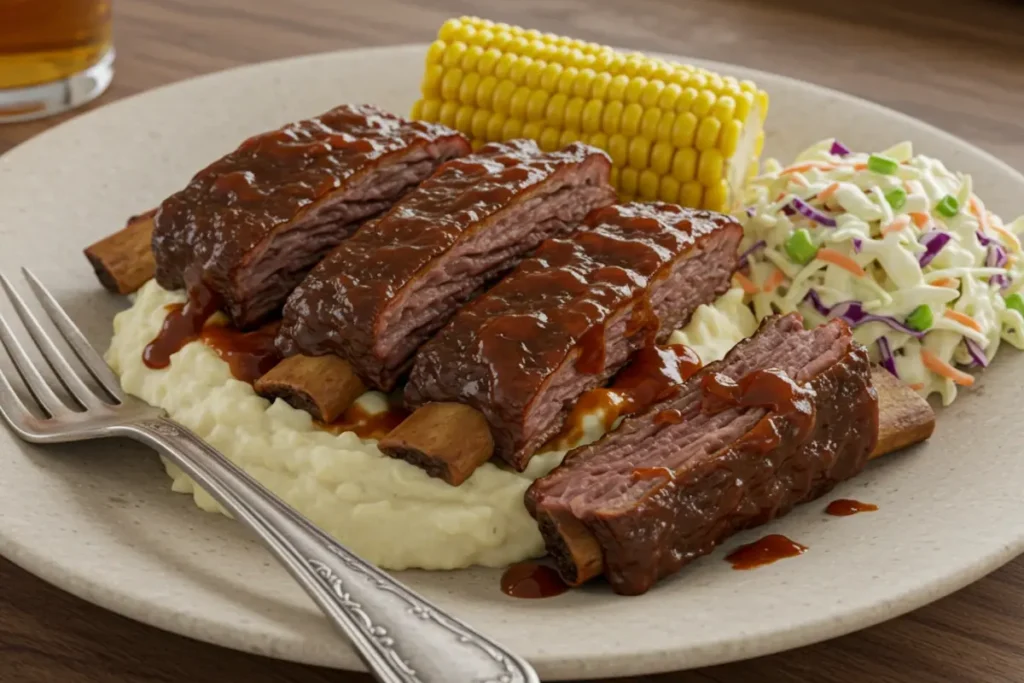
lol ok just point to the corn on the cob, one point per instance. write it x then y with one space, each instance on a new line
675 132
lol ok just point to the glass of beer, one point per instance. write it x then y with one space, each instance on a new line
54 55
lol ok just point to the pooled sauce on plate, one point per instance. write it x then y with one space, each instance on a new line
250 355
844 507
771 548
367 425
532 580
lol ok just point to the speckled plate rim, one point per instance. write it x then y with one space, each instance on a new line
552 662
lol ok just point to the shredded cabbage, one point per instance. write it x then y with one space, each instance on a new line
912 254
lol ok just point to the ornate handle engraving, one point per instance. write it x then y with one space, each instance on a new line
400 636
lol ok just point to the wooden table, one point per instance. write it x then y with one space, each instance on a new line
960 67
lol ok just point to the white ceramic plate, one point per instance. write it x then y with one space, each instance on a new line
99 520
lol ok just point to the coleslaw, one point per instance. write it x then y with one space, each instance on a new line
895 244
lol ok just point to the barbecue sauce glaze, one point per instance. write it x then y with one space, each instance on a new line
769 388
653 375
367 425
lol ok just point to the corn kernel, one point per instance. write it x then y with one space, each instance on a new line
453 55
488 61
568 136
446 114
711 167
532 129
716 196
478 123
683 130
759 144
618 149
485 92
665 125
584 79
504 65
471 59
549 139
715 83
744 103
599 140
613 176
629 178
465 33
691 194
668 190
554 112
649 122
468 87
724 109
698 80
517 105
648 185
702 105
669 94
646 68
762 103
599 88
684 164
435 53
517 72
536 105
661 157
512 129
635 89
549 77
495 124
611 118
501 39
603 62
617 88
532 34
517 45
573 112
450 84
432 80
503 96
448 29
431 110
686 99
631 116
464 118
749 86
417 110
707 133
533 73
590 120
729 141
651 93
567 79
639 152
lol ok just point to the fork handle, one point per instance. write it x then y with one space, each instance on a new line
400 636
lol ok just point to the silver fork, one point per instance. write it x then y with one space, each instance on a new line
400 636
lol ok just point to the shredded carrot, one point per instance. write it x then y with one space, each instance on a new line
897 225
963 319
774 280
916 386
1011 240
950 282
747 284
842 260
827 193
799 179
860 167
920 218
944 369
978 209
807 166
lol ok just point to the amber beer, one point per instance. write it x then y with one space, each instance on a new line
54 55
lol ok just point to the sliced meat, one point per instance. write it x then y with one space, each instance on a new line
379 295
786 415
250 226
570 316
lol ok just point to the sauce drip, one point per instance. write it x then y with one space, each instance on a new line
653 375
771 548
367 425
770 388
844 507
532 580
250 355
672 416
653 473
183 324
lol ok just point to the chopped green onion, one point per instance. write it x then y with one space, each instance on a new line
948 206
1015 302
896 198
800 247
920 318
879 163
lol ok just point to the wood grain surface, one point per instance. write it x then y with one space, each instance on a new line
957 65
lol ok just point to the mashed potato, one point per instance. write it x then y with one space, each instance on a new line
386 510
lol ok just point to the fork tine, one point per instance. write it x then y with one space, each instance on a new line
14 411
36 384
65 373
75 339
